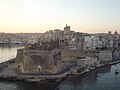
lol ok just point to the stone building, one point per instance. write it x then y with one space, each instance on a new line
66 29
104 56
73 55
35 61
41 57
87 62
91 43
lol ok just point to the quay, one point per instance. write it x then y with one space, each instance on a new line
9 73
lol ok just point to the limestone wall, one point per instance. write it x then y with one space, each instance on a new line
33 61
87 62
68 55
105 56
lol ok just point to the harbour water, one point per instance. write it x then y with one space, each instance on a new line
7 53
100 79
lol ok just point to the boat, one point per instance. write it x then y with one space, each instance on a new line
116 72
87 70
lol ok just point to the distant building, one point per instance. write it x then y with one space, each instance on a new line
66 29
87 62
109 32
62 41
104 56
91 43
72 44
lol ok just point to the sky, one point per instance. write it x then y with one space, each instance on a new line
90 16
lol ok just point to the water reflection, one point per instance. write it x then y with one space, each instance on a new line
88 81
27 86
106 69
30 86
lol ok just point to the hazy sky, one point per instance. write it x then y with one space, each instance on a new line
41 15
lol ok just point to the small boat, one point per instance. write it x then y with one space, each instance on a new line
87 70
116 72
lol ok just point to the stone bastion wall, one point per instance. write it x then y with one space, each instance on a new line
35 61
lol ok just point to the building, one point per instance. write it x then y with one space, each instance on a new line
72 44
66 29
104 56
39 58
87 62
92 43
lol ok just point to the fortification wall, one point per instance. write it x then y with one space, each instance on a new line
34 61
72 55
105 56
